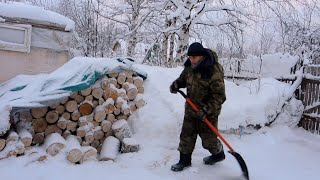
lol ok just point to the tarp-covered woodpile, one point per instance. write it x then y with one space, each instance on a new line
77 109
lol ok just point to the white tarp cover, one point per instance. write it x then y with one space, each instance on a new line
37 90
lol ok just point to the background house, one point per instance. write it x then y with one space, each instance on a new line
32 40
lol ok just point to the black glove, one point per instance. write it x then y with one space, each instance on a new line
202 113
174 87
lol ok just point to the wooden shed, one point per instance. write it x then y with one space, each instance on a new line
32 40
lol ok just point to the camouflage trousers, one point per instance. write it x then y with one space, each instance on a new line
192 126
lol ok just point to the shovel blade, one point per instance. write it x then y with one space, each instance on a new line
242 164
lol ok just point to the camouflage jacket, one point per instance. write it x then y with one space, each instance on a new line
205 84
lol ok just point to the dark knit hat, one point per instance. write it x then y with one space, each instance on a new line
196 49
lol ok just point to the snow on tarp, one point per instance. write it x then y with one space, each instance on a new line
20 10
38 90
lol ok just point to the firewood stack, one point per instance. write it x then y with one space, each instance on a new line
88 116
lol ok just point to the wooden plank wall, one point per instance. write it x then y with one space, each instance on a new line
310 96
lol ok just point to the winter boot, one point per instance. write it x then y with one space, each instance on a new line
214 158
185 161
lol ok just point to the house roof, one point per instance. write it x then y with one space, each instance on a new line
36 16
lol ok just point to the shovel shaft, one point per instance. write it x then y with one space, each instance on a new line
194 107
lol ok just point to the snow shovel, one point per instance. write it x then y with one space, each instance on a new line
235 154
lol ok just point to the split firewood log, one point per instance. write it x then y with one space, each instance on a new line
120 101
140 90
24 135
73 95
138 81
89 98
85 108
113 74
117 111
105 83
101 101
121 129
122 93
89 153
111 93
110 149
82 131
52 129
113 81
95 104
82 121
97 93
39 112
66 115
98 133
25 116
86 92
52 116
75 115
62 123
125 85
100 113
121 78
71 126
132 92
12 148
111 118
71 106
106 126
66 134
138 100
89 137
73 148
54 143
2 144
38 138
129 80
122 116
39 125
95 143
54 104
125 108
129 145
109 106
60 109
128 73
79 98
132 106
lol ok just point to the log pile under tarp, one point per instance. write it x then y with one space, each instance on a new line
82 124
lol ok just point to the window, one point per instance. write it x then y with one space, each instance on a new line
15 37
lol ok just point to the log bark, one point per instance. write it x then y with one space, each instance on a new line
39 125
110 149
39 112
71 106
2 144
121 129
74 153
129 145
54 143
52 116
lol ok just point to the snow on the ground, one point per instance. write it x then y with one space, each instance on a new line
277 152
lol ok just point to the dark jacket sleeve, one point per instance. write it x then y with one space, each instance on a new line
181 80
217 95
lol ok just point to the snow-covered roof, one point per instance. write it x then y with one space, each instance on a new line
38 90
24 13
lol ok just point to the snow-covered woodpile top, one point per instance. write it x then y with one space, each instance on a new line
34 15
